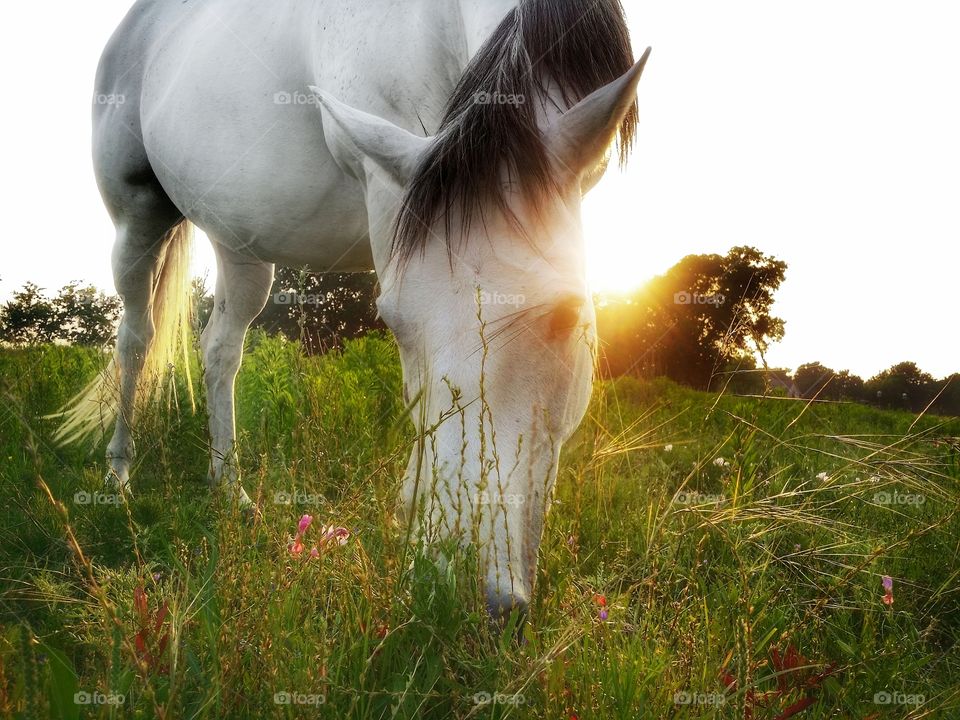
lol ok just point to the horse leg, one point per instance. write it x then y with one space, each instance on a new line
137 257
243 286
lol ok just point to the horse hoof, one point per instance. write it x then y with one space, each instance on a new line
251 514
113 482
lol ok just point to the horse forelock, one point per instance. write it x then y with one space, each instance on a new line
490 125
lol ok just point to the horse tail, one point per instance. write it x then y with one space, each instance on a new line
95 408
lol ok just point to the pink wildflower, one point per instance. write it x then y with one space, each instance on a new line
337 535
888 590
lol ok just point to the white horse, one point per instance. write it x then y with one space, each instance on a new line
445 144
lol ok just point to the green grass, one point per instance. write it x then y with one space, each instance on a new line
710 571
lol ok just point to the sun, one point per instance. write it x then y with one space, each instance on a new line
618 262
612 269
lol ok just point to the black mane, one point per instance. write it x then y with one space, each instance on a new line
581 45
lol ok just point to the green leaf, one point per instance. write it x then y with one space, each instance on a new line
61 684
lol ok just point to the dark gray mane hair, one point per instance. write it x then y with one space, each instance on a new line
581 45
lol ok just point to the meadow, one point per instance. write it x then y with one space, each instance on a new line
706 556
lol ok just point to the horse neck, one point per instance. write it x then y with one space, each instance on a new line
479 18
409 65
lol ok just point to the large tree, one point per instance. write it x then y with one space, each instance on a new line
704 314
322 309
903 386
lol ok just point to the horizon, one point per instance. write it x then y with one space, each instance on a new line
814 142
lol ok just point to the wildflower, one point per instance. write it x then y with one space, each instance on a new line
887 590
296 546
823 476
304 524
721 462
601 600
668 448
329 535
334 535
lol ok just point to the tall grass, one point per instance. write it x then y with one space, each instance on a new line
739 571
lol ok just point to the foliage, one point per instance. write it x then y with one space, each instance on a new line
738 543
704 313
322 310
903 386
79 315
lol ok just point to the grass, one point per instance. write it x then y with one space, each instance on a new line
741 569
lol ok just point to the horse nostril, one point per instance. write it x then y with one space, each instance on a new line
566 314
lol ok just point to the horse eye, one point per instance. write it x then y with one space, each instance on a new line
565 315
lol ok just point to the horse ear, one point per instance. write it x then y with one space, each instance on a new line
578 139
353 136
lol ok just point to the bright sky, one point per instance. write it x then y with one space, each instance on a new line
824 133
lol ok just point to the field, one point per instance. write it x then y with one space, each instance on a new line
707 556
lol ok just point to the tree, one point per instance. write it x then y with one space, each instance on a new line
29 318
703 314
80 315
847 386
202 302
86 316
949 401
322 309
903 386
813 379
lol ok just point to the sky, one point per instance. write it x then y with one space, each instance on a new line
822 133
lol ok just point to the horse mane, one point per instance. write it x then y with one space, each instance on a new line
581 45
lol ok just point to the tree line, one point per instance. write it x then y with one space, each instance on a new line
707 323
